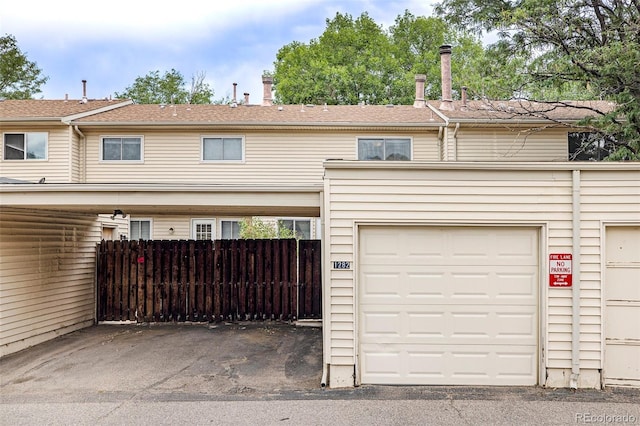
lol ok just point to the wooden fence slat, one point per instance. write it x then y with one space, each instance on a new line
260 279
158 249
316 281
133 280
208 280
191 293
268 275
100 279
217 280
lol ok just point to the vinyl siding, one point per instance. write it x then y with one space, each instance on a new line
607 197
539 198
510 144
271 157
56 168
47 275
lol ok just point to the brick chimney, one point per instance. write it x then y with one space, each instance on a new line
419 102
267 83
445 69
246 98
464 98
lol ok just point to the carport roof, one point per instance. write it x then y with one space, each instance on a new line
153 199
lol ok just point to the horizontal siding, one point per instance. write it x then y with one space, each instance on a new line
47 275
511 144
55 169
606 197
270 157
486 197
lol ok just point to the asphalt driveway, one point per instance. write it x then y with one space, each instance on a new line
253 373
232 360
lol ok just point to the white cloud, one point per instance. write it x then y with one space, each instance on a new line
65 20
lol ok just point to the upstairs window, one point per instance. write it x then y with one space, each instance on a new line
25 146
389 149
222 149
591 146
125 148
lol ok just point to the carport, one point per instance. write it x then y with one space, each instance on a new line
49 234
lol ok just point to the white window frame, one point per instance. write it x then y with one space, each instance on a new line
385 138
141 219
203 221
228 219
26 147
242 142
103 137
297 219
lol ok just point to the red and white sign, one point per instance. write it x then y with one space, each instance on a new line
560 270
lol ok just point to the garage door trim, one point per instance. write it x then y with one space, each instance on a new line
540 228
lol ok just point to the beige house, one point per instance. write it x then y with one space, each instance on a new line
444 226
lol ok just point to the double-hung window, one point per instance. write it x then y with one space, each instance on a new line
389 149
222 148
229 229
122 148
140 229
301 227
25 146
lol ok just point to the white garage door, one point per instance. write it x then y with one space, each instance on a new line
622 307
445 305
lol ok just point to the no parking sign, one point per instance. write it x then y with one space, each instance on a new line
560 270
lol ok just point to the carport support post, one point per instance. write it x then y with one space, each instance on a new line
575 287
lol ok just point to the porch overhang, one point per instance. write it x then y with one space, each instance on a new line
163 199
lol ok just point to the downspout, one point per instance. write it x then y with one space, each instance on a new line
455 142
441 155
575 287
83 175
326 329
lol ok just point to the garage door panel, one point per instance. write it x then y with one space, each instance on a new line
448 364
623 322
464 324
445 305
448 246
509 285
623 363
623 283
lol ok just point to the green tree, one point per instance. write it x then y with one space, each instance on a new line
358 61
168 88
254 228
580 49
349 63
19 77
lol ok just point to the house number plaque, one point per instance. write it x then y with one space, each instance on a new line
341 264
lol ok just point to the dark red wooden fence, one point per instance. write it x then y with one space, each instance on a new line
204 281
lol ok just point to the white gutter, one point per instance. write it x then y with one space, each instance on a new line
575 287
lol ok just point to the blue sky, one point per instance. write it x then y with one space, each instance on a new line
111 43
